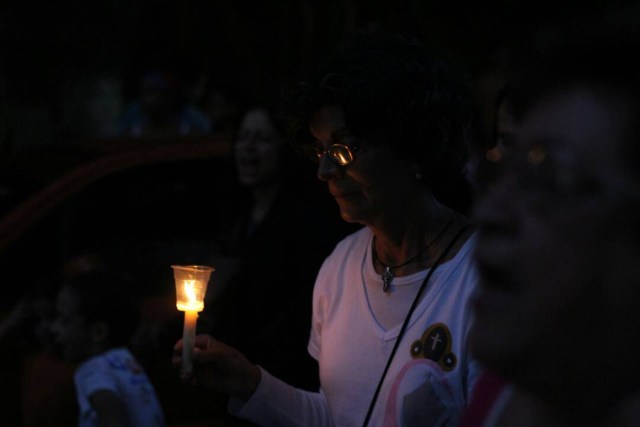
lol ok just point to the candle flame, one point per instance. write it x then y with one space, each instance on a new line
190 291
190 300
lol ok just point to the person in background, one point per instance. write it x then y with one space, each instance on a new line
29 353
161 110
27 356
281 227
96 315
387 124
559 243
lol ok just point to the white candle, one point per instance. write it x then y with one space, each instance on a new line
191 306
188 340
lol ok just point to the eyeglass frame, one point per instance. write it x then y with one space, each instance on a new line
318 153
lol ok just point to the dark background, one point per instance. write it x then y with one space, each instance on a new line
70 68
53 53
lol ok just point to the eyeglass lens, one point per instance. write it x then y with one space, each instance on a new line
339 153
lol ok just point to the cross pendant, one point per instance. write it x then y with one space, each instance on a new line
387 277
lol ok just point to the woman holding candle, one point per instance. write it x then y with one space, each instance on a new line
387 124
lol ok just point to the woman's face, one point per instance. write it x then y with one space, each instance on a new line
558 292
378 183
258 150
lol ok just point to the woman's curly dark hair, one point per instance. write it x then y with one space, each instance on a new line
392 91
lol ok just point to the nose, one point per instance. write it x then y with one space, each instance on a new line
246 144
327 168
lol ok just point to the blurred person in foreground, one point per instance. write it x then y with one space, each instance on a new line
387 123
96 316
559 242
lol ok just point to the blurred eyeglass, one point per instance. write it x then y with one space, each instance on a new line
539 171
340 154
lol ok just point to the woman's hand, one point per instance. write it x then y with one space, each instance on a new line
219 367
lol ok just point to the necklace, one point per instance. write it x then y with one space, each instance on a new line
387 275
423 286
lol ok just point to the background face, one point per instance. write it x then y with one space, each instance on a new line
258 150
558 291
71 333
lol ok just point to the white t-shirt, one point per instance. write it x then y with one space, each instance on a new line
118 371
430 378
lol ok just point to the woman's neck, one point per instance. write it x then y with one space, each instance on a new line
400 238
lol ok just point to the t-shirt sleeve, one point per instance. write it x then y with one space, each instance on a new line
89 378
276 403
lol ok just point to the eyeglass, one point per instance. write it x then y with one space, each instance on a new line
538 171
341 154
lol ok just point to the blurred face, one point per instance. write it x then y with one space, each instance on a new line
71 333
377 184
258 150
557 303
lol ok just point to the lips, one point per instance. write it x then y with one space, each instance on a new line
339 193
